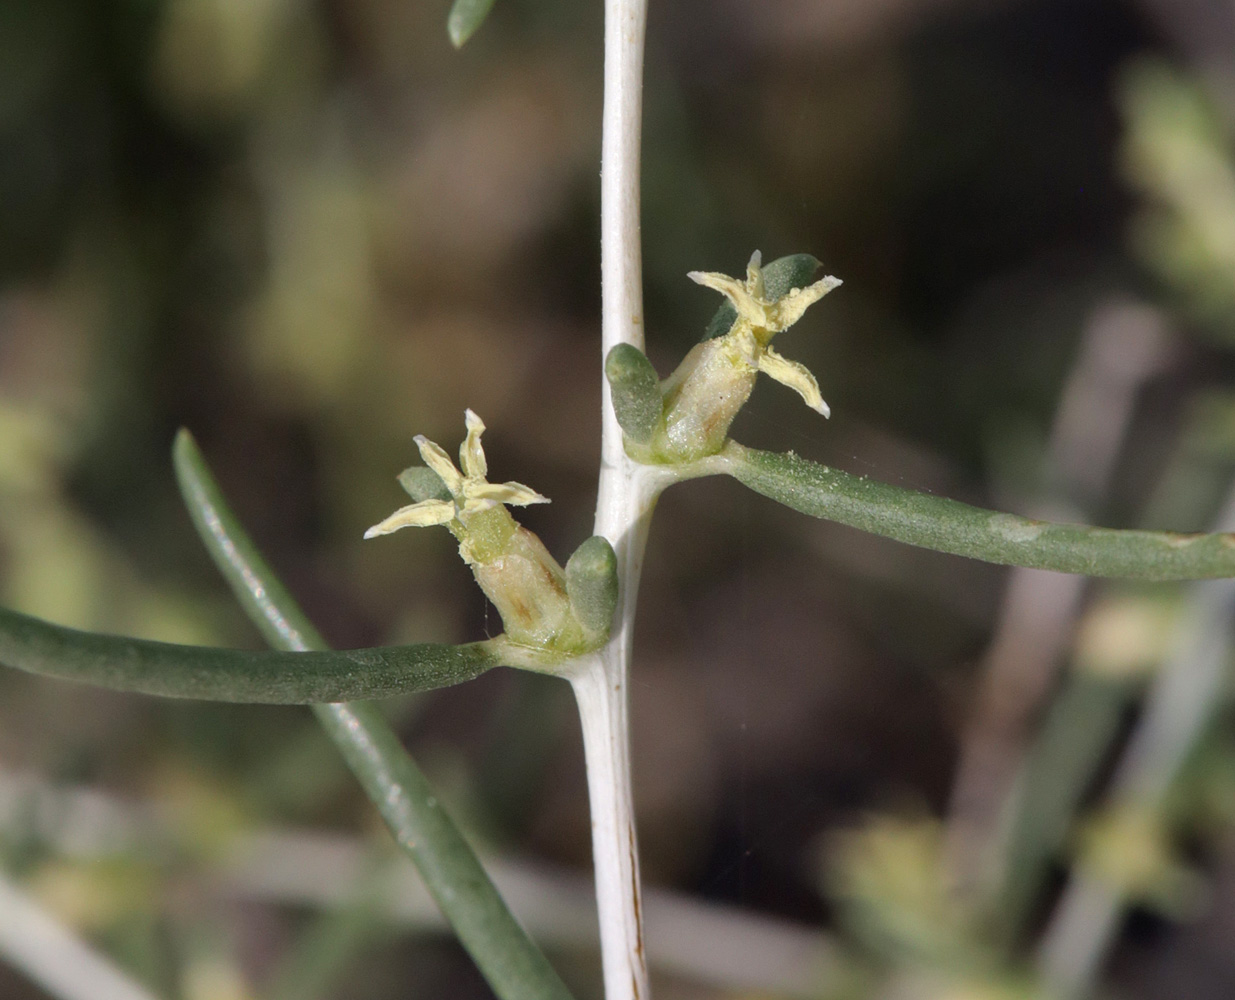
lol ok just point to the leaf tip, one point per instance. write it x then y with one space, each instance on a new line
183 443
465 17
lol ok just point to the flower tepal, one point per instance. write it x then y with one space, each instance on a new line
470 490
715 379
760 319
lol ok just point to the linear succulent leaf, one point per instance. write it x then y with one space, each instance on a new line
1073 744
945 525
174 671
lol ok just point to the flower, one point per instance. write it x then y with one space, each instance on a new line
510 563
715 379
760 319
471 493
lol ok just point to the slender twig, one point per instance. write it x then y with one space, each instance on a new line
624 502
1181 703
353 879
1123 345
50 954
704 942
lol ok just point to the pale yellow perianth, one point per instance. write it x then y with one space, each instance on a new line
470 490
759 320
511 564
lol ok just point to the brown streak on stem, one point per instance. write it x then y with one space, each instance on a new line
635 898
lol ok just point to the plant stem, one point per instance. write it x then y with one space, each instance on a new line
625 497
601 690
603 716
621 269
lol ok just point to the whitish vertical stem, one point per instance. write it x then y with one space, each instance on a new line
603 714
624 500
34 942
620 261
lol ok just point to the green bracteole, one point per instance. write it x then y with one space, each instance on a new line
945 525
509 960
780 277
635 391
592 587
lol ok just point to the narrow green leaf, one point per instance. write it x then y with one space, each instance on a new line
592 585
635 388
950 526
779 278
465 17
259 591
174 671
509 960
1080 727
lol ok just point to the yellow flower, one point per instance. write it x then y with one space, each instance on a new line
471 493
760 319
716 378
512 565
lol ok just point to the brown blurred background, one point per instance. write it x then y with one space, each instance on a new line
311 230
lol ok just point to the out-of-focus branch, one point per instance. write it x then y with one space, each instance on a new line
715 945
709 944
1204 32
50 954
1122 347
1181 703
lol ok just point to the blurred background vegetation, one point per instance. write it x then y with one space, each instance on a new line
310 230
